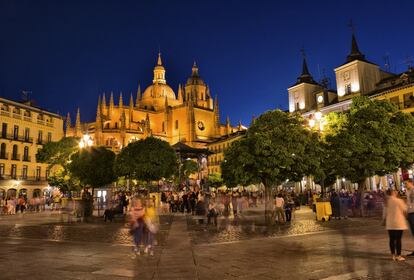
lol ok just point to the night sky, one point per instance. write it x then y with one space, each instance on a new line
66 53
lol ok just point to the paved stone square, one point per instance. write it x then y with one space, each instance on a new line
41 246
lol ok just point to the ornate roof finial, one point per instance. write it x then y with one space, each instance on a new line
305 76
103 103
68 122
180 94
121 102
159 61
194 70
355 53
131 101
138 96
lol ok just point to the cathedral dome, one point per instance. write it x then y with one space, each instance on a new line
159 91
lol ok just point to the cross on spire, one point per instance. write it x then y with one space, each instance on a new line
351 25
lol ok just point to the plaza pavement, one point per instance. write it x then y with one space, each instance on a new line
40 246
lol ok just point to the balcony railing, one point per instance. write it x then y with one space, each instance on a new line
20 138
27 158
21 177
15 157
4 156
5 113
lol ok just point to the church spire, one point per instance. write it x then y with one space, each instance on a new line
121 102
194 70
131 101
159 61
103 104
355 54
138 96
99 114
180 94
68 123
78 128
305 77
111 102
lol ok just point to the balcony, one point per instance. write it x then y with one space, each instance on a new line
18 138
27 158
17 116
4 156
5 113
15 157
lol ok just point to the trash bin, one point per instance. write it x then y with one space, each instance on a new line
323 210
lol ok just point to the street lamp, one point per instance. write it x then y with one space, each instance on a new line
85 142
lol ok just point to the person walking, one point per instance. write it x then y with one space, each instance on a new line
136 222
395 222
279 205
152 225
410 206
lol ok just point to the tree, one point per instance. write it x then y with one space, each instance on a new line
57 155
373 138
188 167
147 160
277 147
215 180
93 166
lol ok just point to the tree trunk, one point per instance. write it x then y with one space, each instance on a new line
268 203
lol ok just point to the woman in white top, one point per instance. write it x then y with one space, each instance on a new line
395 222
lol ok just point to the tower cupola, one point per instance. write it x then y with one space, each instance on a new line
159 72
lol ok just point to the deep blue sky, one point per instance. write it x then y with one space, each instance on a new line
68 52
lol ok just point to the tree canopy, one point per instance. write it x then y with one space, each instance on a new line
58 153
373 138
277 147
147 160
93 166
188 167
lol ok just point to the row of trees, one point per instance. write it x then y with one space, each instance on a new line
372 138
144 160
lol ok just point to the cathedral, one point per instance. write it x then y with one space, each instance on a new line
191 116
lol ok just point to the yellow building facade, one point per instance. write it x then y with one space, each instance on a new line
24 129
219 146
190 116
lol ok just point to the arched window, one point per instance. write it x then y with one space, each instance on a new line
176 124
163 126
26 154
3 151
116 125
14 152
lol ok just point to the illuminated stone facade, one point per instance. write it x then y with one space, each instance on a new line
356 77
24 129
191 116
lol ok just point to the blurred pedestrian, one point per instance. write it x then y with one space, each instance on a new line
395 222
151 226
279 211
410 206
136 222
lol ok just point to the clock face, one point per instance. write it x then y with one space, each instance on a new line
346 75
200 125
320 99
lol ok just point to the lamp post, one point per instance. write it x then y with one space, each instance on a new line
85 142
